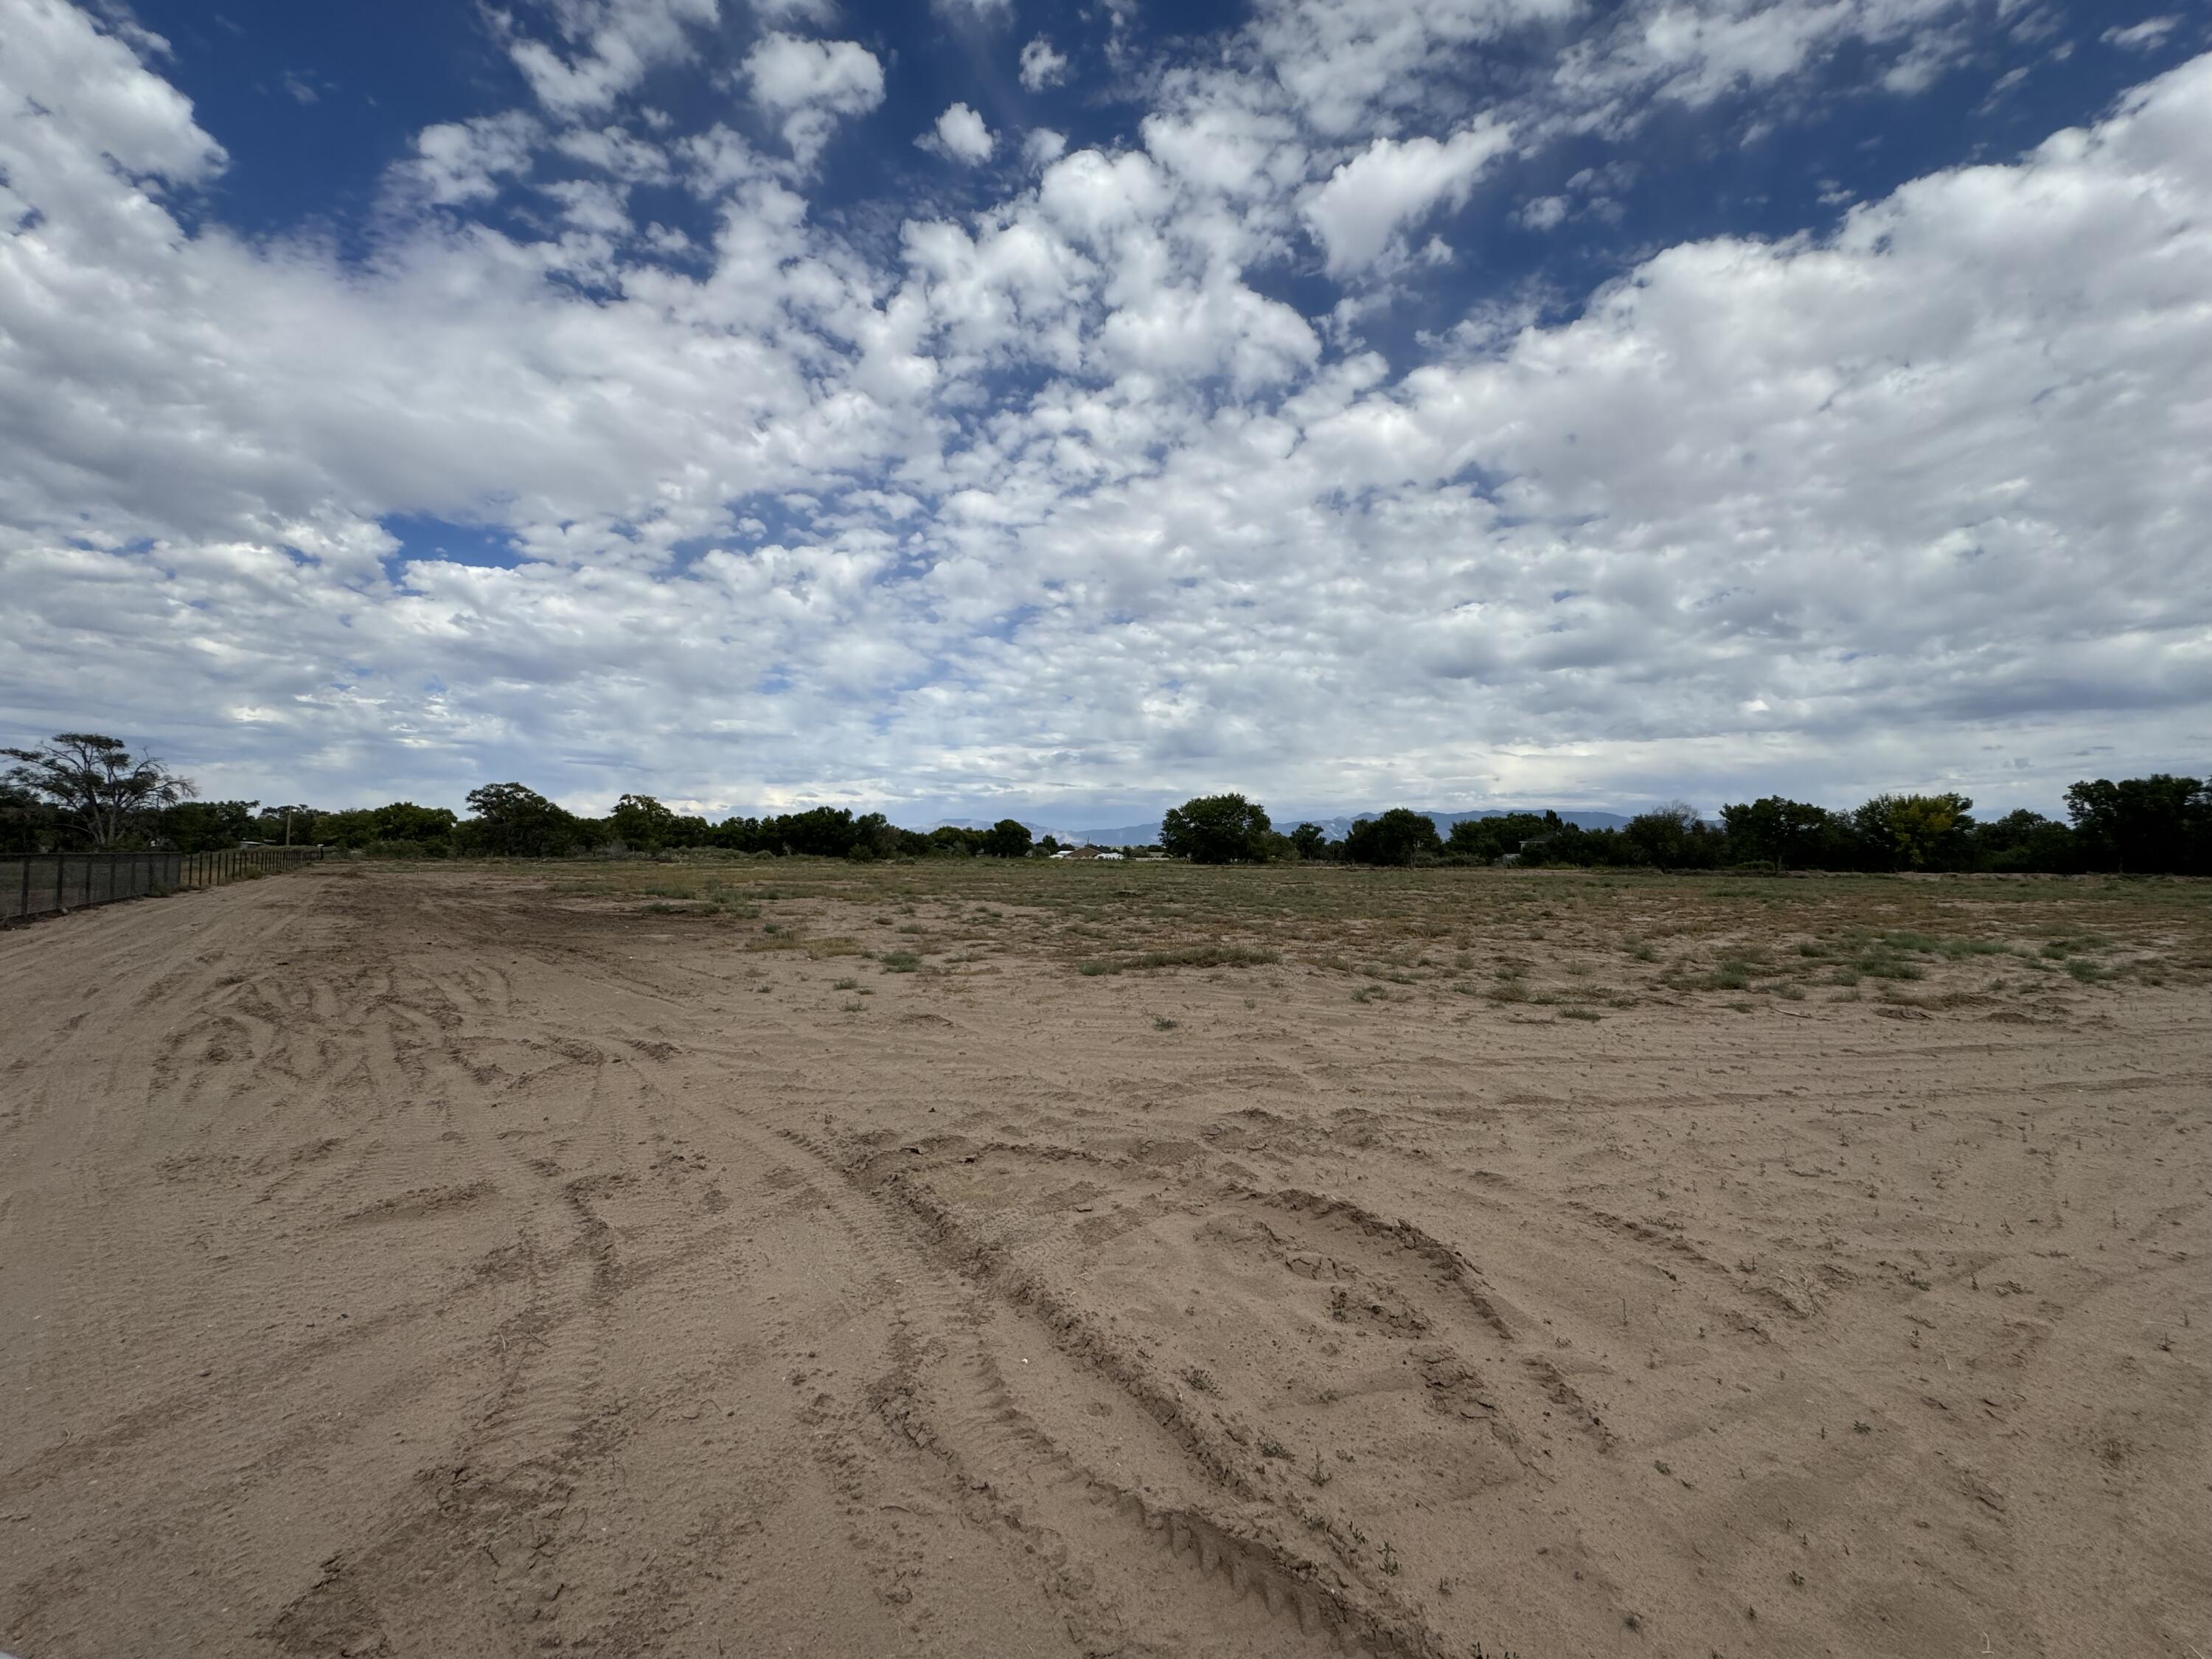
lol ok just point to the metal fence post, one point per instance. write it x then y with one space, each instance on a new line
26 910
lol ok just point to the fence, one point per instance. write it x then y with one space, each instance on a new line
46 881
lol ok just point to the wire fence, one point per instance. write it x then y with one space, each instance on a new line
45 882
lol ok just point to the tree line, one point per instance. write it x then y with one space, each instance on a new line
87 791
2160 824
83 792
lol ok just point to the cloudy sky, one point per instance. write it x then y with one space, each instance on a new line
1061 406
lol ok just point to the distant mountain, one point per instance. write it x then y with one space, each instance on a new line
1143 835
1126 835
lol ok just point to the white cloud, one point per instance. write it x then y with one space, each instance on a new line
1053 499
459 163
810 85
610 45
93 95
2146 36
1698 52
959 135
1043 146
1042 66
1392 184
1544 212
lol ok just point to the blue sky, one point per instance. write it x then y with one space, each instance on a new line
998 405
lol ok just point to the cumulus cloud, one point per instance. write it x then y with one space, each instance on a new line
605 48
812 85
1042 66
1393 184
456 163
1058 498
959 135
1545 212
1343 65
82 89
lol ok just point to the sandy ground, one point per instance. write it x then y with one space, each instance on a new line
427 1264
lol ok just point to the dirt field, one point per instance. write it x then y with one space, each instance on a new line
791 1259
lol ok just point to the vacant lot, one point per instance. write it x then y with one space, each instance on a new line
789 1258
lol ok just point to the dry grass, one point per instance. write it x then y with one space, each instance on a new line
1575 939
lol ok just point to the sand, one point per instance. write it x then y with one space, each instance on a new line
429 1263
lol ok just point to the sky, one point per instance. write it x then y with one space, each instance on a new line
1062 407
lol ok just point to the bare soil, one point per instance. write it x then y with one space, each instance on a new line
450 1262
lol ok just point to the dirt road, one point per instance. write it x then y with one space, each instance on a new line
424 1264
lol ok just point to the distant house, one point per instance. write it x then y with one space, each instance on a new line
1114 857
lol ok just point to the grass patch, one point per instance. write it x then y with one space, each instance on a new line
1190 955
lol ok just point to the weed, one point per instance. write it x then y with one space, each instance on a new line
899 961
1391 1564
1162 1022
1317 1474
1271 1446
845 985
1192 956
1580 1013
1199 1379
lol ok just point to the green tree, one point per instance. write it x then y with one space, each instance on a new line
1216 829
1487 840
1398 836
1772 830
1916 832
106 792
208 826
642 824
403 820
27 824
1671 837
2142 825
1310 841
1008 838
517 821
2025 840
